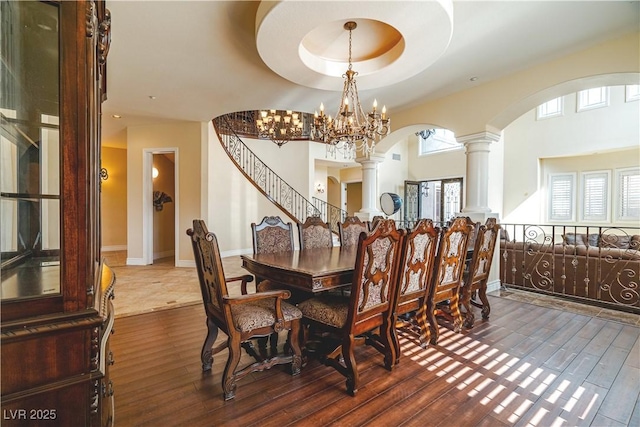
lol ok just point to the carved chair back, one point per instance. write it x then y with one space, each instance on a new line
209 267
349 230
374 221
314 233
415 275
479 269
451 257
368 311
448 275
272 235
374 285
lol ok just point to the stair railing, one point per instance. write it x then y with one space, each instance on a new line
330 213
270 184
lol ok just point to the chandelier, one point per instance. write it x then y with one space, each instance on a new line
279 126
351 131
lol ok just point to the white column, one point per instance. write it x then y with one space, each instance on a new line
477 180
477 188
369 187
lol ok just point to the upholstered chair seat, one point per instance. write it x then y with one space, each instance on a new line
331 309
248 317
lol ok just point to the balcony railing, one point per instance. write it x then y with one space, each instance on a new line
594 265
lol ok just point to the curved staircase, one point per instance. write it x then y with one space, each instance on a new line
229 127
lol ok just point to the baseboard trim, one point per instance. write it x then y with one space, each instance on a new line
186 263
236 252
136 261
494 285
114 248
164 254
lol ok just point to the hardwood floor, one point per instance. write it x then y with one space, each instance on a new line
527 366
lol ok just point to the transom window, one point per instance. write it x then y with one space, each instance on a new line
436 141
593 98
551 108
632 93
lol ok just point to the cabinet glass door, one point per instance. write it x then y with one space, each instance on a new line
30 220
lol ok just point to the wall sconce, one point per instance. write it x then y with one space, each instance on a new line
104 174
154 173
320 187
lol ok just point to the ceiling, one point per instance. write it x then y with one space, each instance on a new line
196 60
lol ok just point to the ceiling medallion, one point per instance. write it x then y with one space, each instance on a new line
351 132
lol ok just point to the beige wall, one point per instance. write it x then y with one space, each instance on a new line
354 198
114 199
184 138
493 105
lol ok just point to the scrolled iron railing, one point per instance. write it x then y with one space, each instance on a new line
330 213
279 192
594 265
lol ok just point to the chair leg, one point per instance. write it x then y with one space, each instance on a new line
350 363
229 374
466 302
455 312
421 320
390 344
294 344
273 341
207 353
486 308
433 323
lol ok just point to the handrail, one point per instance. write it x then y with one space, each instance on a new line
330 213
269 183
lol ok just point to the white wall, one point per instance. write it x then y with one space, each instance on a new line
528 140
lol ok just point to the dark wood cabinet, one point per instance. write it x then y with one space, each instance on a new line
56 293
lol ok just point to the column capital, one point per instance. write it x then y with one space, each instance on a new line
372 158
486 137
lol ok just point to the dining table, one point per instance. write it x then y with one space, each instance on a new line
309 270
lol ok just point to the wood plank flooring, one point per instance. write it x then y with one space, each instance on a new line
527 366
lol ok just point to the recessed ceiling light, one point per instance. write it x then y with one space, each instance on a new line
473 79
152 97
116 116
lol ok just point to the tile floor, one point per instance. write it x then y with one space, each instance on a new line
160 286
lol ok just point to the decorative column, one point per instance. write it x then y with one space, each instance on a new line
477 185
369 187
477 182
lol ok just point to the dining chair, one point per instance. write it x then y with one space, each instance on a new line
314 233
415 275
272 235
366 316
374 221
448 276
475 279
349 230
242 318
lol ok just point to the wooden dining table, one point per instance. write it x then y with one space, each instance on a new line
309 270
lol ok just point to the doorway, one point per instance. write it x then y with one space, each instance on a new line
439 200
160 212
163 176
